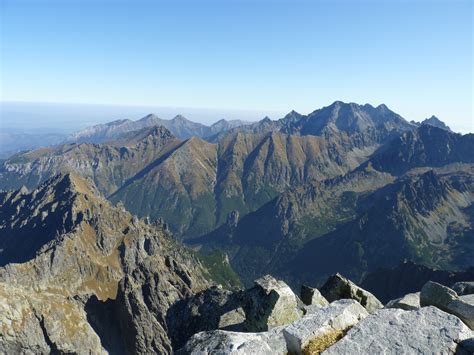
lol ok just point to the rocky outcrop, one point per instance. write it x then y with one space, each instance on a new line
101 279
434 294
394 331
346 327
332 320
311 296
338 287
270 303
464 288
324 323
408 302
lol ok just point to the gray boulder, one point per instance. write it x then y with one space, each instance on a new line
338 287
218 342
327 323
446 299
409 302
395 331
464 288
270 303
311 296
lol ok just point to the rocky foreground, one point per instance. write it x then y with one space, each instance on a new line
340 318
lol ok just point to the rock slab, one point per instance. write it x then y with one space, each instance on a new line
337 317
446 299
394 331
220 342
311 296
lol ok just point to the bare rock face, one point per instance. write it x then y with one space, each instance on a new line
336 318
311 296
394 331
44 323
434 294
270 303
103 281
409 302
338 287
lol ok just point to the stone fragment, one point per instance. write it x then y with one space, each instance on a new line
270 303
311 296
409 302
338 287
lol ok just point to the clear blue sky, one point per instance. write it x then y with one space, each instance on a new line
415 56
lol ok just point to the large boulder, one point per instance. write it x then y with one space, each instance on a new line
218 342
409 302
270 303
326 324
464 288
395 331
435 294
338 287
312 297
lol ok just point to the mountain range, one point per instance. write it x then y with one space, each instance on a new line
348 187
92 230
179 126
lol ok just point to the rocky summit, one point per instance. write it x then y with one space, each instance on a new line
169 236
344 326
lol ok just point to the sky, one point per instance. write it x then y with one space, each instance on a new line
231 56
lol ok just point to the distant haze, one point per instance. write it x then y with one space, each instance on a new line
29 117
35 117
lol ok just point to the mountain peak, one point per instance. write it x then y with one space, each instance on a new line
150 116
219 122
38 217
436 122
68 182
293 114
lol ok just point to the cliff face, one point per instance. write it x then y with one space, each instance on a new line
87 257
